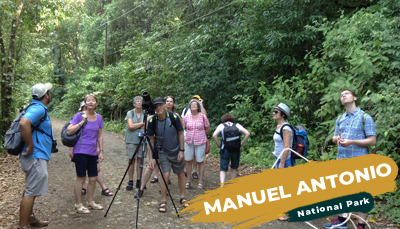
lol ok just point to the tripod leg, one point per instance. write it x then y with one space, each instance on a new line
165 182
122 180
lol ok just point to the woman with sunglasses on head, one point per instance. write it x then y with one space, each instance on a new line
280 115
85 152
197 127
100 177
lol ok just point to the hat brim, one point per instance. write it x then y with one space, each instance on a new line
282 110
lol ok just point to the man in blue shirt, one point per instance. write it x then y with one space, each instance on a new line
36 153
353 138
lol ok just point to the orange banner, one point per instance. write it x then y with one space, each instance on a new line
259 198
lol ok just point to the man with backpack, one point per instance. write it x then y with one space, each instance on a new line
166 135
354 133
230 145
35 127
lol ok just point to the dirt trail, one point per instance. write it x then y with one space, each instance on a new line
57 205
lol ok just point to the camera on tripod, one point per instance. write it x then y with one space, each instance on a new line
148 104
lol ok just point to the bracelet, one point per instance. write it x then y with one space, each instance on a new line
182 150
101 150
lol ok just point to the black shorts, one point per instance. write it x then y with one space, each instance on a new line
85 162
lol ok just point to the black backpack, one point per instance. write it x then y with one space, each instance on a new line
300 140
169 114
13 142
70 140
231 137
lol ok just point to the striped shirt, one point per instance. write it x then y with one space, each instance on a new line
195 129
350 127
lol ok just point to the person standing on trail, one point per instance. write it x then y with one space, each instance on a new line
280 115
229 154
185 112
354 132
100 177
134 126
197 127
169 106
166 134
36 153
85 152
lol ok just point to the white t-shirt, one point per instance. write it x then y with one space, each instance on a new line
279 145
221 128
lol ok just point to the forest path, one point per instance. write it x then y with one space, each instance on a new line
57 205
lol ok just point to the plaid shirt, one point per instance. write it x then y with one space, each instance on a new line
195 129
350 127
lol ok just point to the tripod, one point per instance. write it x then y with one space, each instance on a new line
143 139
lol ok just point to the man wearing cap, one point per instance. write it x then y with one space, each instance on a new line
354 132
184 113
168 135
35 154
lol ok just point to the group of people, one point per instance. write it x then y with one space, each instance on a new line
178 142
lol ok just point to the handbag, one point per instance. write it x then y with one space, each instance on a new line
70 140
208 141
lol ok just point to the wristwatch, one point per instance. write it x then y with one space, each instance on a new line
182 150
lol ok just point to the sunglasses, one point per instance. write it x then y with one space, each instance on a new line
276 112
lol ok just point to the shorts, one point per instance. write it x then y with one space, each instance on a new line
226 155
289 162
85 162
167 161
36 176
130 150
192 150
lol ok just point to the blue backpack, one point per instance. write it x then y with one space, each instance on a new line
300 140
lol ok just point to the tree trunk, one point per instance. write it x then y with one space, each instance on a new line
8 71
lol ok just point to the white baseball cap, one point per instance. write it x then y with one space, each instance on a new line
81 105
39 90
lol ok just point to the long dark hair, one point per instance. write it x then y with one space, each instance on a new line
173 99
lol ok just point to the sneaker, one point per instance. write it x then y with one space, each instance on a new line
35 222
155 179
336 222
130 186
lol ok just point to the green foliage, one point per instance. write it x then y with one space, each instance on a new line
387 206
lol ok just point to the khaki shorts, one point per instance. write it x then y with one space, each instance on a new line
36 176
130 150
167 161
192 150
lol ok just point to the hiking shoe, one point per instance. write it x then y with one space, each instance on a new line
35 222
138 194
130 186
336 222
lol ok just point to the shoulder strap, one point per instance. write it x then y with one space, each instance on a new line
153 125
225 125
173 118
186 111
363 123
291 127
